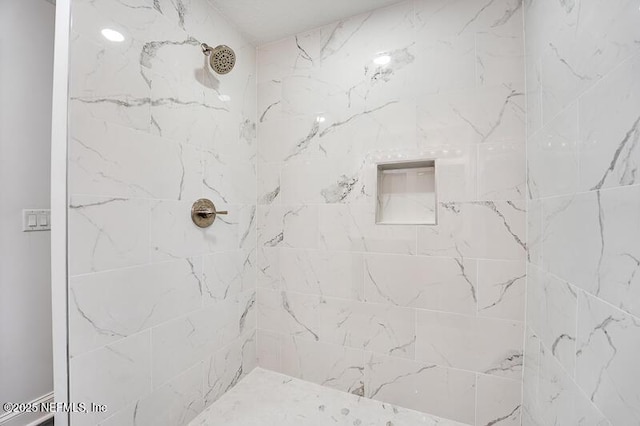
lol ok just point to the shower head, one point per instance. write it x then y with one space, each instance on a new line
221 58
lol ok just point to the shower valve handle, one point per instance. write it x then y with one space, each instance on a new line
203 213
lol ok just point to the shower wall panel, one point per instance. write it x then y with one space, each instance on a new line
583 301
161 313
426 317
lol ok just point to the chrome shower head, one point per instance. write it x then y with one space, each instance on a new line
221 58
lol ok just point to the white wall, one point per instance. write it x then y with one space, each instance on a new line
148 135
26 60
425 317
583 286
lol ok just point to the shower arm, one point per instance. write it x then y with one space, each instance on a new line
206 49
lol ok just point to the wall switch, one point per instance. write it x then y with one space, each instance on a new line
36 220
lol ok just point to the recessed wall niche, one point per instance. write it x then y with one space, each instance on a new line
406 193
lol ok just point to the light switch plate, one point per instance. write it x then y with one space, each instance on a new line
36 220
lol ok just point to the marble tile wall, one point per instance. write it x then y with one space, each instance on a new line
161 314
583 316
426 317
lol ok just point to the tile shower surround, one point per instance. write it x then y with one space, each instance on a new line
426 317
583 309
161 314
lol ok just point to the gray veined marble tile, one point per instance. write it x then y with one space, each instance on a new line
124 376
607 348
112 305
501 171
294 313
300 226
484 345
227 274
228 366
535 232
270 226
185 117
171 236
534 92
338 179
468 16
560 400
288 226
388 126
531 371
482 229
296 137
580 45
553 161
457 171
352 227
229 231
247 222
177 402
110 160
383 329
610 130
500 59
330 365
603 227
501 289
140 19
499 401
323 273
247 310
180 344
421 386
105 233
231 183
552 315
134 113
447 63
105 70
565 220
493 114
268 267
268 349
442 284
269 184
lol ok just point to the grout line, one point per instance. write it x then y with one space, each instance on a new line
475 402
575 347
527 209
388 305
575 194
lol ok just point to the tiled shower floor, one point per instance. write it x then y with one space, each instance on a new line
266 398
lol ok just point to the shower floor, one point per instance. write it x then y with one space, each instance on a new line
269 399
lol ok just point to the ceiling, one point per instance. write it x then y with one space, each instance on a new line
263 21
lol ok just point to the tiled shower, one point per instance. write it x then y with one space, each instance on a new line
425 317
517 306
